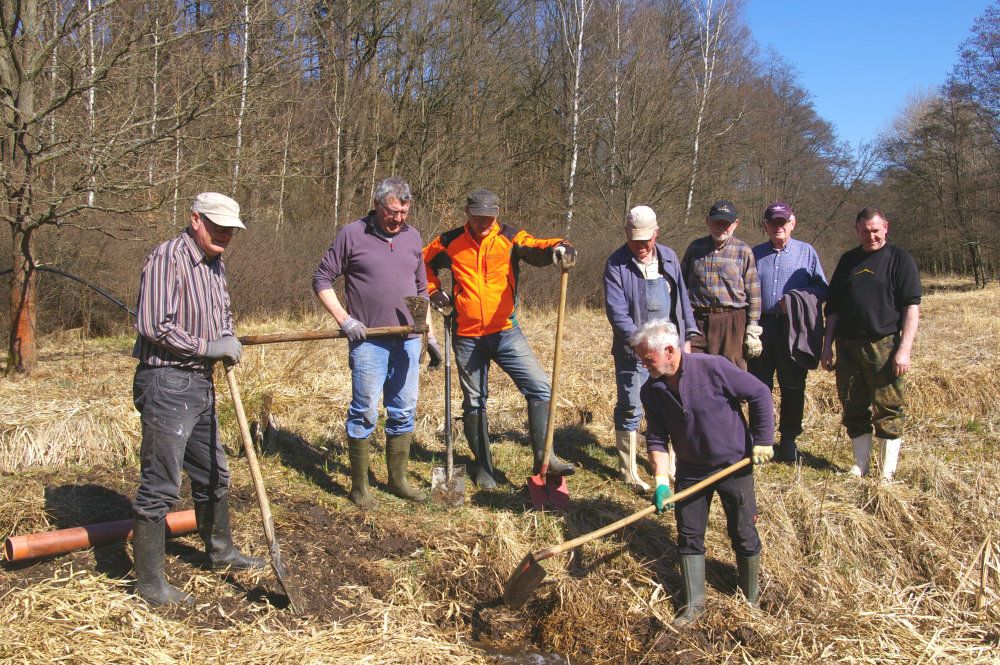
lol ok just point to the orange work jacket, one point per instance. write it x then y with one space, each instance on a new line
484 274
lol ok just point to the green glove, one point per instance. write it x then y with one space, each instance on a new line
661 495
761 454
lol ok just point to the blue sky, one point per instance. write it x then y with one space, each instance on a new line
861 60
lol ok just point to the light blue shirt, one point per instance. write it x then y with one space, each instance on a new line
796 267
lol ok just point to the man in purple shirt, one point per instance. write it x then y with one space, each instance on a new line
380 258
692 402
184 326
784 266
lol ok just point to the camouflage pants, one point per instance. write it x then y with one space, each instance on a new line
869 390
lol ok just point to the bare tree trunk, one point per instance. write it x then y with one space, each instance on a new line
22 353
91 96
244 85
284 173
156 84
573 24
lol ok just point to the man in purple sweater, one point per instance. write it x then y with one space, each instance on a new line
380 258
692 401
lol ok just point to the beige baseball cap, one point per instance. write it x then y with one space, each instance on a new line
640 224
219 208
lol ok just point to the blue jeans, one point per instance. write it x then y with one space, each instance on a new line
629 375
179 431
388 366
509 349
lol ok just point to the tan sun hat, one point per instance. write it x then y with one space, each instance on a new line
219 208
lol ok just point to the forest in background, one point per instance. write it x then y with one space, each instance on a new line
117 113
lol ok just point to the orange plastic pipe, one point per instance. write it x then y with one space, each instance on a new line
50 543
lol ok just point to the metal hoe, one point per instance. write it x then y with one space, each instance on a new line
448 484
529 574
258 484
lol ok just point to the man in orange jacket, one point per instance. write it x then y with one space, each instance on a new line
484 258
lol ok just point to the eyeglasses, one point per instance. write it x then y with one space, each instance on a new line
399 213
218 229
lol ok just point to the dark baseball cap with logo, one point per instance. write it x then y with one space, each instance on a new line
483 202
724 210
778 210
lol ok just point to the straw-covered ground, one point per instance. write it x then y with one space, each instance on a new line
853 571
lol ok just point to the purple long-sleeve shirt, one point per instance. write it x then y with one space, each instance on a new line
183 304
703 420
378 271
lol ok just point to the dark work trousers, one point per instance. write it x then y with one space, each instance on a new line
722 334
739 502
775 358
179 429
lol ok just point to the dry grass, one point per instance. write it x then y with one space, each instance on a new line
853 571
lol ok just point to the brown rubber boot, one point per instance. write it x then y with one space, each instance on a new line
358 452
397 455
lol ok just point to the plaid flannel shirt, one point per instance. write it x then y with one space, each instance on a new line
724 277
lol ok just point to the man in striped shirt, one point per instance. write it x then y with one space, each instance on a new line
722 284
185 326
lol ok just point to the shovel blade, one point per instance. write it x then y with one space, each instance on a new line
294 602
526 578
548 491
445 492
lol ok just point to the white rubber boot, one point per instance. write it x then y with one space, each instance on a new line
862 455
890 458
626 442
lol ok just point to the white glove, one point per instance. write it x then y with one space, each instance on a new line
752 341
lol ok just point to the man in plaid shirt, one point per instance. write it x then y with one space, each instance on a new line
722 283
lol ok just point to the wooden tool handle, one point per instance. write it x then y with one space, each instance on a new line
648 510
550 429
335 333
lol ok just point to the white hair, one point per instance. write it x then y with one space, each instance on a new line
393 186
656 334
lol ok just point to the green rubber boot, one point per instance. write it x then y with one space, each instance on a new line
693 575
213 527
477 433
397 455
358 452
148 542
538 422
748 577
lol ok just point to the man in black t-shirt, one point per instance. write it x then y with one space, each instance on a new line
872 310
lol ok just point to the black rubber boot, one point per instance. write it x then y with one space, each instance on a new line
397 456
214 529
148 542
693 576
477 433
359 453
748 578
787 451
538 421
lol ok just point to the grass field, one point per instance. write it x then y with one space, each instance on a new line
853 571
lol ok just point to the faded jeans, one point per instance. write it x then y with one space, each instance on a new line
179 430
509 349
386 366
629 377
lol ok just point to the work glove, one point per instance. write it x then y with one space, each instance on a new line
354 329
753 343
434 351
564 255
662 494
440 300
227 349
762 454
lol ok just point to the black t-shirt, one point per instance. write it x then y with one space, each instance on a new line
869 291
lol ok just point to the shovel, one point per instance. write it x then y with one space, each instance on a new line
529 574
258 485
544 489
448 483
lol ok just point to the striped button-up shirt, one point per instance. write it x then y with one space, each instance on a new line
794 267
723 277
183 304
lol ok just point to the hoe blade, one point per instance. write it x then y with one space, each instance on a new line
526 578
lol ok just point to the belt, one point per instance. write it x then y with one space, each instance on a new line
712 310
772 315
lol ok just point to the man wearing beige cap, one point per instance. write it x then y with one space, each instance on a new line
184 326
642 282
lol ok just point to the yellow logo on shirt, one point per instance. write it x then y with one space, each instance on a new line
863 271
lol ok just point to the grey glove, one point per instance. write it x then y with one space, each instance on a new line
564 255
753 343
762 454
434 351
227 349
440 300
354 329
